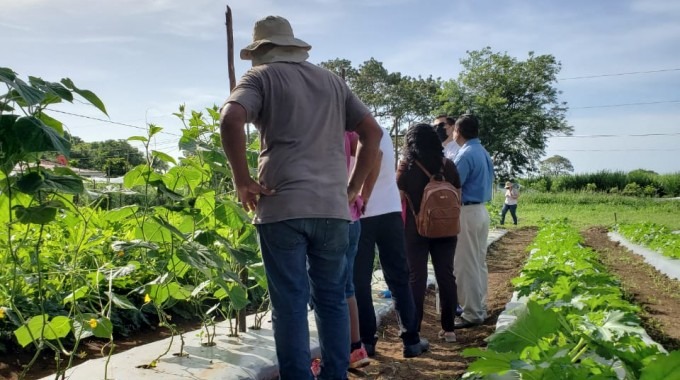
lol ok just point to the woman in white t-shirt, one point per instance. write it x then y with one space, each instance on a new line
511 195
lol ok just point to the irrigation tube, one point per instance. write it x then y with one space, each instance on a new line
666 265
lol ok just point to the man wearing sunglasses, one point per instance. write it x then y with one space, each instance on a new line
450 146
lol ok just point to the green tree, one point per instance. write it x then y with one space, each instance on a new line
517 104
113 157
556 166
394 99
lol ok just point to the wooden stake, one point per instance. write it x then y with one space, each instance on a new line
243 271
230 50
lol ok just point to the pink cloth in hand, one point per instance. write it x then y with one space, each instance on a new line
355 208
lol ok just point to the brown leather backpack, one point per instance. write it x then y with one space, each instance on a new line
439 214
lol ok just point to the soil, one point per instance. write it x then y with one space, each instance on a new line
505 259
657 295
443 361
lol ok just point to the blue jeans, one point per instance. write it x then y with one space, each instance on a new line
513 212
354 233
288 248
387 231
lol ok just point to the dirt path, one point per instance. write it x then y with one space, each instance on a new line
444 361
657 294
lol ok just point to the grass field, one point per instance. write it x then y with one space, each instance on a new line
589 209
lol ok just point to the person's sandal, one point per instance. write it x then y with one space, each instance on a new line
359 358
316 367
447 336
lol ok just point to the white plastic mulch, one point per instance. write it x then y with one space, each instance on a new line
664 264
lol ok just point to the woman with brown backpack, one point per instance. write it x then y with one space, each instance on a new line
431 185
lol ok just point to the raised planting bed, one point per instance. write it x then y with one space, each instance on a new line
571 321
654 236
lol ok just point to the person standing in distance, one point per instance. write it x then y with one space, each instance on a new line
301 196
476 172
510 204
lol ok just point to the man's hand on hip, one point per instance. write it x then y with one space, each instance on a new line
250 192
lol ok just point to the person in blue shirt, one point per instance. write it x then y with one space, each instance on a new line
476 176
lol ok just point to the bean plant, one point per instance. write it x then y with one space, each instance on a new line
72 269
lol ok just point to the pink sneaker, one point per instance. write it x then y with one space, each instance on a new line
359 358
316 367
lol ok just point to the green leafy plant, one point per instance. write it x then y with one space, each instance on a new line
655 236
576 323
72 269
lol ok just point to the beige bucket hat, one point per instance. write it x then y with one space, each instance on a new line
277 31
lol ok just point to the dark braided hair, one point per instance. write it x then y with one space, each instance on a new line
423 144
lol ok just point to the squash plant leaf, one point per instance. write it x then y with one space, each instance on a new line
663 367
616 324
531 325
490 362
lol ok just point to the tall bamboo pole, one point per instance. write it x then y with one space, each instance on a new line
243 271
230 49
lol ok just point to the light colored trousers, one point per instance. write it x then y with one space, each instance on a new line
469 263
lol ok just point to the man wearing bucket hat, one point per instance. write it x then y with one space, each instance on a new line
301 196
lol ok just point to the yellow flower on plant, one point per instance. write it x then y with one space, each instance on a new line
2 312
147 299
93 323
120 253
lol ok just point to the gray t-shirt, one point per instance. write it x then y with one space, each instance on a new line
301 112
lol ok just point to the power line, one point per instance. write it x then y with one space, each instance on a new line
109 121
632 135
616 150
620 74
625 104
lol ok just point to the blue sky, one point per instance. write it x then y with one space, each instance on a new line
145 57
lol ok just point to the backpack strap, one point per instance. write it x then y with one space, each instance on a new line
427 173
430 176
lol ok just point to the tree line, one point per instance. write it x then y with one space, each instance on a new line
516 101
112 157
